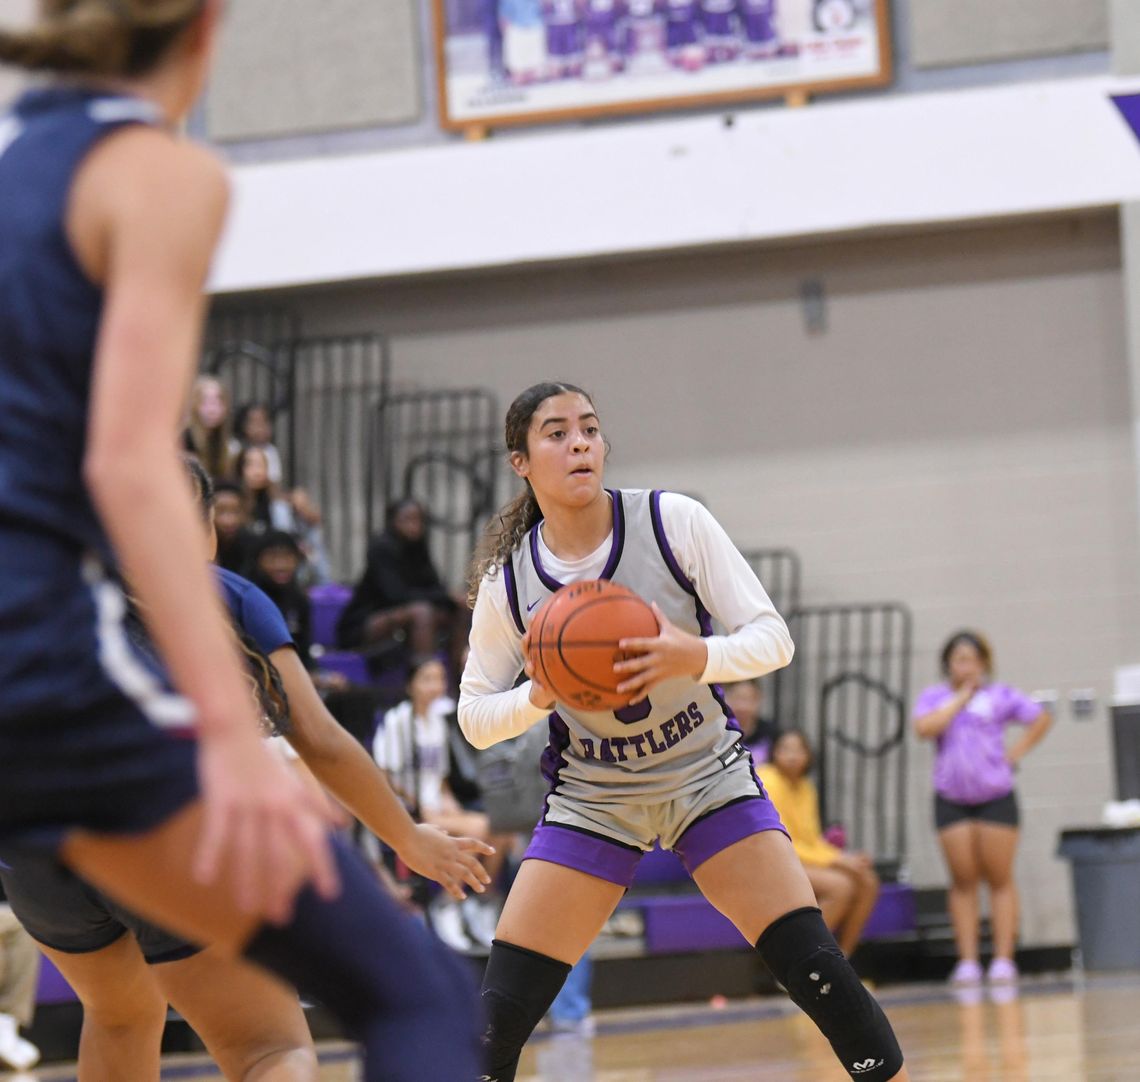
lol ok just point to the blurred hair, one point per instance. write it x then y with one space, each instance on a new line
231 487
211 445
200 482
396 506
419 662
800 735
241 418
116 38
969 638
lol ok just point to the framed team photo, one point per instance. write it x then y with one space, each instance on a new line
510 62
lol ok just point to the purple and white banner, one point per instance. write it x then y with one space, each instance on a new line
530 61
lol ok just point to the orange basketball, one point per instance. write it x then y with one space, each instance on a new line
574 641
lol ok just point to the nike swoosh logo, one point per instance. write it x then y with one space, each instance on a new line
530 607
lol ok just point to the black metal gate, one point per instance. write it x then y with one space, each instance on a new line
779 572
442 448
338 384
848 688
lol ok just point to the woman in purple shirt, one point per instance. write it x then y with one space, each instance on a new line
975 809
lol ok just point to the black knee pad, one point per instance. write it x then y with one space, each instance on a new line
518 988
804 957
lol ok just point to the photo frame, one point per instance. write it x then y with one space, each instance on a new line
513 62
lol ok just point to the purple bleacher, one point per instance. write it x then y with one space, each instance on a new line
351 666
52 987
895 912
686 922
328 603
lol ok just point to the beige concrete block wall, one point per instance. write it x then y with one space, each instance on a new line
945 32
287 67
13 13
958 439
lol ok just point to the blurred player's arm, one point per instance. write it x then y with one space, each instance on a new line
149 241
338 761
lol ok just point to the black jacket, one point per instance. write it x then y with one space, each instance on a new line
397 573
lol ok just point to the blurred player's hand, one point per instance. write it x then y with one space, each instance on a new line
451 862
264 833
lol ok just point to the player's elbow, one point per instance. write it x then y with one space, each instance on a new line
469 727
785 647
114 479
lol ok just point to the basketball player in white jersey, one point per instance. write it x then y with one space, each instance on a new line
671 766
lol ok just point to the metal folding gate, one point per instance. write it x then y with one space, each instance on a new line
848 689
779 572
441 447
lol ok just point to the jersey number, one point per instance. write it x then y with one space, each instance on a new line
631 715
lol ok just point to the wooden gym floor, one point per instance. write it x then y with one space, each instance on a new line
1057 1029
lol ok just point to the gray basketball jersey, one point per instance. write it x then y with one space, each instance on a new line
683 735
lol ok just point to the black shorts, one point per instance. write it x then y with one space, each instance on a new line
1002 811
61 911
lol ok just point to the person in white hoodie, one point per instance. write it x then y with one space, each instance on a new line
411 747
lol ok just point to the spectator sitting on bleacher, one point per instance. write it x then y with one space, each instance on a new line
231 524
19 973
411 746
745 699
845 884
276 566
209 432
400 596
268 510
255 429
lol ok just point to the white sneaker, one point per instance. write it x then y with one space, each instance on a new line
480 918
15 1052
575 1027
446 921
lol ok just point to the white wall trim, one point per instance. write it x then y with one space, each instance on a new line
863 164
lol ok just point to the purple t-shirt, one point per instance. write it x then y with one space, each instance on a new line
970 767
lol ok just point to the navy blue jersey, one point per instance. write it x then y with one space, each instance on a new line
49 311
253 611
50 629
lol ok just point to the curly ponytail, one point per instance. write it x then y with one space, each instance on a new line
123 38
506 531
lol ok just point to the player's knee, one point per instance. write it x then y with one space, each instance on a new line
518 988
999 880
840 892
804 957
964 880
283 1059
134 1008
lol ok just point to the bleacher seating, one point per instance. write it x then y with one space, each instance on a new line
677 918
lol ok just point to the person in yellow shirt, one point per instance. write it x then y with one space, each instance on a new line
845 884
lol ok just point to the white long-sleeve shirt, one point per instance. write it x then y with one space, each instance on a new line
492 709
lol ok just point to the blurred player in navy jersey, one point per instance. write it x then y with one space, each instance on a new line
166 798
